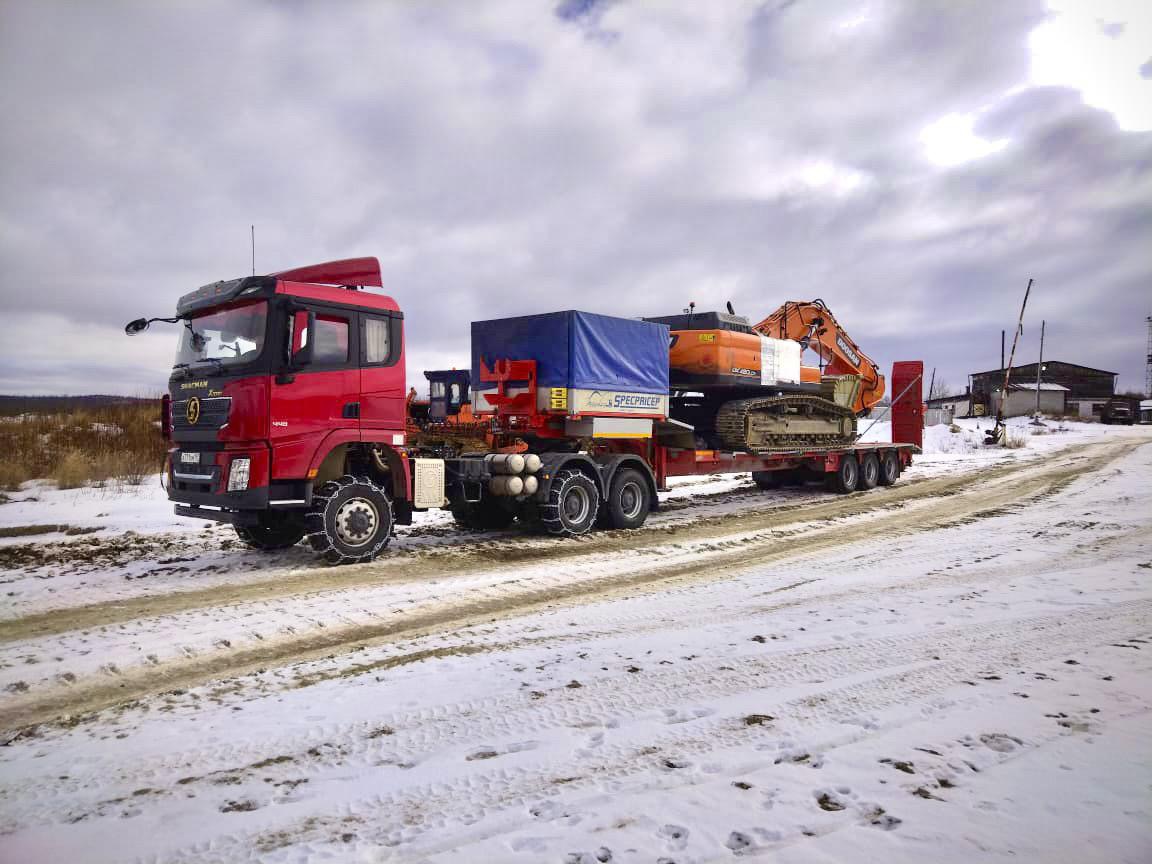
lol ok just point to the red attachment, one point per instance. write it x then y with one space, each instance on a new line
504 372
166 416
349 271
908 402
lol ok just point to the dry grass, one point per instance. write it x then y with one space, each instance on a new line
1015 439
116 443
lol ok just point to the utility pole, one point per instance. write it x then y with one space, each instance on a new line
1039 366
996 435
1001 350
1148 370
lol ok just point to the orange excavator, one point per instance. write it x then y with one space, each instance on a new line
743 387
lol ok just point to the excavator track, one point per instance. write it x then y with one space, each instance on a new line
791 422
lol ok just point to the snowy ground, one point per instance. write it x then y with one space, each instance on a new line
956 668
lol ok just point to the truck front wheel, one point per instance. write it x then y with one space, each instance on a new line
275 529
572 505
351 520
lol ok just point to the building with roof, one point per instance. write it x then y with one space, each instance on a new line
1084 390
1022 399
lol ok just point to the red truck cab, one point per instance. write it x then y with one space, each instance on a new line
286 388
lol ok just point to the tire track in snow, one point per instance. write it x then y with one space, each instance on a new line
511 597
817 720
509 552
598 704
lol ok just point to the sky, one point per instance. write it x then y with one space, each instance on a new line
911 163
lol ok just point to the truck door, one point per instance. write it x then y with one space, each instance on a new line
320 398
382 385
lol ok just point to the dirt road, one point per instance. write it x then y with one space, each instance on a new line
506 578
801 679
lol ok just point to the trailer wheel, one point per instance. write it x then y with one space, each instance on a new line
889 468
869 471
482 515
628 500
351 520
846 477
767 479
572 505
276 529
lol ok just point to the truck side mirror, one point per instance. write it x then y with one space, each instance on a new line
302 356
137 326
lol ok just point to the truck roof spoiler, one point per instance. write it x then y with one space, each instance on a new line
347 271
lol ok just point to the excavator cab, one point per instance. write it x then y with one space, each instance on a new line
448 392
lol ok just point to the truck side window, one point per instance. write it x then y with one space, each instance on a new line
377 341
331 340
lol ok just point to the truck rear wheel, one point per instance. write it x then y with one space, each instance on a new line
351 520
276 529
629 499
846 476
869 472
889 468
572 505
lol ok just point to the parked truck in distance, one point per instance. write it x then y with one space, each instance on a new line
288 418
1120 411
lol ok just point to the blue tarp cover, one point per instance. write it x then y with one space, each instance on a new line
577 350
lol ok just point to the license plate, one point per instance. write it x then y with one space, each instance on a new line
190 458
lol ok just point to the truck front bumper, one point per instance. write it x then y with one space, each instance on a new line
199 489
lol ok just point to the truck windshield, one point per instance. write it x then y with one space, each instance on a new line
231 335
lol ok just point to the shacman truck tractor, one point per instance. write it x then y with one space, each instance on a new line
288 414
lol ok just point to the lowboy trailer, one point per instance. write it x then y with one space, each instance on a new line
288 419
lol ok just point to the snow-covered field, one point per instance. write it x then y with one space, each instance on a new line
956 668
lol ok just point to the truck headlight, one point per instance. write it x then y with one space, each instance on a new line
238 474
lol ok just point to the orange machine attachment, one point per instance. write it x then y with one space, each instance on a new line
813 325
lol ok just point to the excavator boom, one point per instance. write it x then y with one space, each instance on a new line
814 326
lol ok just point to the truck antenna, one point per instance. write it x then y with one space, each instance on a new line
253 229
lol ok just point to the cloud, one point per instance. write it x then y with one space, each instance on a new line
501 158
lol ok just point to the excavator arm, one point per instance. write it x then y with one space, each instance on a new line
814 326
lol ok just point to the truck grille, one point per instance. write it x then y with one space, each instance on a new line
213 414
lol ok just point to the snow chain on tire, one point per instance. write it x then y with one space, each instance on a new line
344 511
558 514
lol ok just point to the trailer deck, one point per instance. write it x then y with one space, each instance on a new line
680 462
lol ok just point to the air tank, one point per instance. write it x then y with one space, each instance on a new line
505 463
506 484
